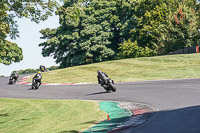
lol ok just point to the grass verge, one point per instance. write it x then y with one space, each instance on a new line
48 116
133 69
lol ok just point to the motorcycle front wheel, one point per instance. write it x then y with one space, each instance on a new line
112 87
11 81
37 85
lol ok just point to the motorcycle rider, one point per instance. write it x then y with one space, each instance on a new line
42 68
102 78
14 75
38 78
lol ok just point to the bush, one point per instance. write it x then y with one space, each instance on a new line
29 71
53 68
131 49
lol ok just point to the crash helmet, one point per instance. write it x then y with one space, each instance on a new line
98 71
38 72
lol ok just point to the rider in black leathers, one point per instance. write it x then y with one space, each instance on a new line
14 75
42 68
102 78
38 77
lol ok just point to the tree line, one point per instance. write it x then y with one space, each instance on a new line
31 71
115 29
99 30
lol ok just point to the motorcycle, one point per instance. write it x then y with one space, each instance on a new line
12 80
35 85
43 69
107 83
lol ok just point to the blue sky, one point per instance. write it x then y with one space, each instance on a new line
28 41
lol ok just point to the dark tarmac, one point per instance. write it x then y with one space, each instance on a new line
176 103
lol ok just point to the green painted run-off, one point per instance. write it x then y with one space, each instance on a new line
116 114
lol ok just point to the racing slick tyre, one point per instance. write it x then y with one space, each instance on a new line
112 87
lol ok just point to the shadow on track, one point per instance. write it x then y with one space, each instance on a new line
30 89
97 93
182 120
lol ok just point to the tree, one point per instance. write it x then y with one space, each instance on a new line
96 30
149 14
180 29
131 49
36 10
93 36
155 26
10 52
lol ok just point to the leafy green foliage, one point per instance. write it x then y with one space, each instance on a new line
92 37
10 52
53 68
101 30
30 71
27 71
149 14
131 49
180 30
162 27
35 10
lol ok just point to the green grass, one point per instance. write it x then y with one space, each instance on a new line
133 69
48 116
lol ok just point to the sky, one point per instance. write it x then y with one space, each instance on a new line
29 40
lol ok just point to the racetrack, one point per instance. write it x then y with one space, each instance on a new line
176 102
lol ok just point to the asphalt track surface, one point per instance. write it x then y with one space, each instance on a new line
176 103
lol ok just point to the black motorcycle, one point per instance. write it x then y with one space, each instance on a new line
106 82
35 84
12 80
109 85
43 68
